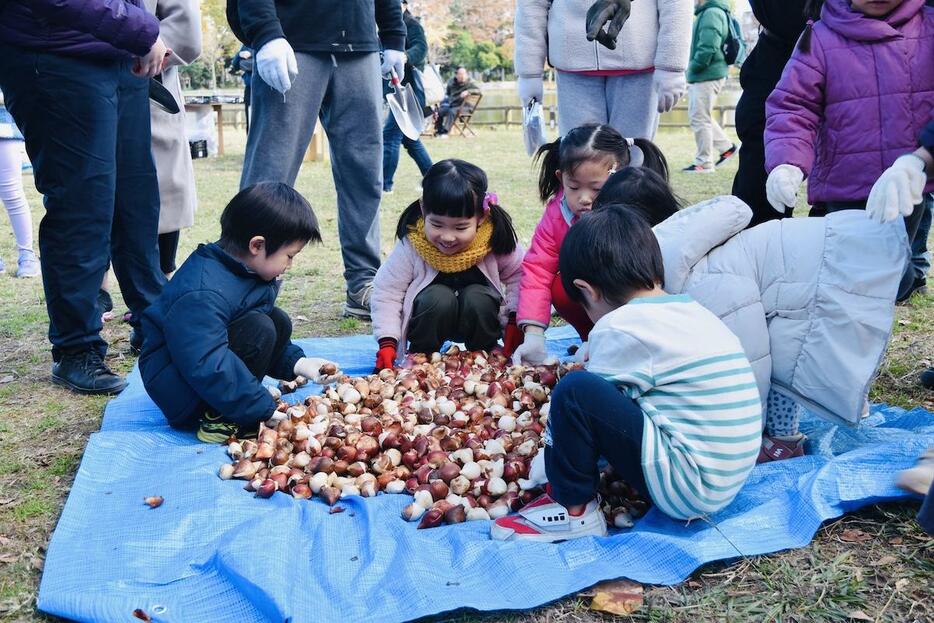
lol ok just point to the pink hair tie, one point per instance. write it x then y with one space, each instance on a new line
489 199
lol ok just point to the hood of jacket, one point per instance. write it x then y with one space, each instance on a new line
840 17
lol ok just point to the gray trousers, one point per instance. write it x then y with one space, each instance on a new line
628 103
345 89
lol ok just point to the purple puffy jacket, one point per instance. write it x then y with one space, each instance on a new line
845 110
87 28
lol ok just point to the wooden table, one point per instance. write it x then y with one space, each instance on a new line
219 109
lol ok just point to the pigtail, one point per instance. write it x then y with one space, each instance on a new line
550 156
652 157
812 10
408 219
504 238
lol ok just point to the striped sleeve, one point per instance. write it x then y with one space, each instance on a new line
621 359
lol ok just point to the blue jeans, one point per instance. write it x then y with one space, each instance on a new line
86 127
591 418
392 137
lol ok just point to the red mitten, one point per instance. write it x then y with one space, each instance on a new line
513 336
386 356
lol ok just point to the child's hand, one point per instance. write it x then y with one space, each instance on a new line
781 187
317 370
531 351
386 356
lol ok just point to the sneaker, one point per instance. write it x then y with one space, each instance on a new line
28 265
696 168
358 303
545 520
918 479
781 448
927 378
213 429
86 373
919 286
726 155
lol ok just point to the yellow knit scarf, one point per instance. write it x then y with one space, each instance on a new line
478 249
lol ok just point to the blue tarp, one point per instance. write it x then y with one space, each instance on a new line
213 552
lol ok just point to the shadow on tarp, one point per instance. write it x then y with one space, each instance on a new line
213 552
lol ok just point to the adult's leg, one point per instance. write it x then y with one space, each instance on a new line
67 110
418 153
12 194
581 99
721 142
591 418
281 126
253 338
246 106
572 311
632 105
392 136
168 248
351 113
478 316
433 320
920 256
700 106
135 231
749 182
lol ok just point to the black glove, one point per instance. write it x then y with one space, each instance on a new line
610 13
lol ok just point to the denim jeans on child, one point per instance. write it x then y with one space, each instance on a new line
87 132
591 418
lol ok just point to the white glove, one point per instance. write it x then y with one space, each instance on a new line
276 64
274 392
531 350
531 88
781 188
310 368
898 190
670 86
393 60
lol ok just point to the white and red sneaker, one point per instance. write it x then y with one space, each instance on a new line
545 520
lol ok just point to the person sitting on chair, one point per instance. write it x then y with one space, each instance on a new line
458 88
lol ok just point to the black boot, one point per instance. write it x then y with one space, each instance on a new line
136 341
86 373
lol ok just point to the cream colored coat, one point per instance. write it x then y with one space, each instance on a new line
180 29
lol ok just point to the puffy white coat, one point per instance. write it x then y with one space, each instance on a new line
811 299
657 34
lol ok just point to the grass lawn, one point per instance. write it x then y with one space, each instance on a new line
888 574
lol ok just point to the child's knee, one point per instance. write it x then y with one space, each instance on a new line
282 323
435 299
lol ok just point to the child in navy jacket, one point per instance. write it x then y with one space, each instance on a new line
215 331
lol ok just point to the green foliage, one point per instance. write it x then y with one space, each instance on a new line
485 57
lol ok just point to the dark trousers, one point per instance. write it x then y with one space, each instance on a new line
591 418
749 183
168 248
258 339
440 313
926 514
246 105
87 133
392 138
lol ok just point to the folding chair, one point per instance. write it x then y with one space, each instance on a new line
464 114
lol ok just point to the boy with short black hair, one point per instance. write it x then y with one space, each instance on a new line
668 396
215 331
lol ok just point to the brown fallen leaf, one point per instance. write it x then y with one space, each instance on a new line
620 597
896 540
859 615
885 560
336 509
854 535
140 614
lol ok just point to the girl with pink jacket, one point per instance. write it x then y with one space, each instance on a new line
574 169
454 274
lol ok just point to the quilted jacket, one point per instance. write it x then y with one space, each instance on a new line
857 100
812 300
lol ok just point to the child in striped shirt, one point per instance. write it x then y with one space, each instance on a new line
668 397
